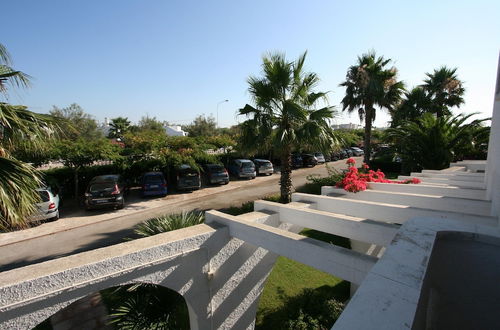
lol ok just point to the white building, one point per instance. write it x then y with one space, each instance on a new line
347 126
175 130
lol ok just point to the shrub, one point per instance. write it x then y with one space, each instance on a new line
168 223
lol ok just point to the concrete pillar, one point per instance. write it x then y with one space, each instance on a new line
493 163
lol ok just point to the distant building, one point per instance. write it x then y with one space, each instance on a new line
175 130
347 126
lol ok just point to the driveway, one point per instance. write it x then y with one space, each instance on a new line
80 230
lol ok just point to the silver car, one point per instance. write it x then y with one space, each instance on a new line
357 151
263 166
320 157
48 208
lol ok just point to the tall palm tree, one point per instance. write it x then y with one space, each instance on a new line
415 103
444 89
18 180
284 116
432 142
370 83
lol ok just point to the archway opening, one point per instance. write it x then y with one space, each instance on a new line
133 306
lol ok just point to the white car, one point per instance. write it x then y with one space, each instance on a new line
48 208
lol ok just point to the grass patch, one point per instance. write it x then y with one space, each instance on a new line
292 287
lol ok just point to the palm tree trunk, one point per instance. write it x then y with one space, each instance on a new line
368 132
286 178
76 183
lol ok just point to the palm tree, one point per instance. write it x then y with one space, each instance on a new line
415 103
444 89
118 127
18 180
432 142
370 83
284 116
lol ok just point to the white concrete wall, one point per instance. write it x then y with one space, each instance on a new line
492 171
391 213
456 182
425 189
438 203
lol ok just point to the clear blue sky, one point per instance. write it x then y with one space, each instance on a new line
177 59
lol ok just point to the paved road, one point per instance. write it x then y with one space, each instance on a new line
80 231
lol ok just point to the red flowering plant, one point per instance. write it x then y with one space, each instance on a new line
355 179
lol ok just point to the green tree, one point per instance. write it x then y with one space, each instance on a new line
432 142
202 126
118 127
82 152
18 180
284 116
444 89
79 123
415 103
370 83
147 123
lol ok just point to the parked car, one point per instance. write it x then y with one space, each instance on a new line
188 178
297 161
48 208
242 168
357 151
263 166
153 184
349 152
215 173
105 191
319 157
309 160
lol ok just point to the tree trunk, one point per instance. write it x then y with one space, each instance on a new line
368 132
286 178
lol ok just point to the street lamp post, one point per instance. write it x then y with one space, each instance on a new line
218 110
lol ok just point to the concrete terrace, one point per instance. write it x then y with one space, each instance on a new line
423 256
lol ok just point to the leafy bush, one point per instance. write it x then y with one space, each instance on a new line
333 177
168 223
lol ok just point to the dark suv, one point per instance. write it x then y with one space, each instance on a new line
105 191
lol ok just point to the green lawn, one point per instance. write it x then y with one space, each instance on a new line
288 283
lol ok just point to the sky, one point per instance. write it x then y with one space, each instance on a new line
174 60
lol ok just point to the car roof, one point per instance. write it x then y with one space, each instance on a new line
261 160
153 173
243 160
105 178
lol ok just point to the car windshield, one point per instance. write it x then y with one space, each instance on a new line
246 165
105 186
216 168
188 173
44 195
318 154
153 178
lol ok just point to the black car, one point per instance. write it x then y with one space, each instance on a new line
309 160
297 161
105 191
215 173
